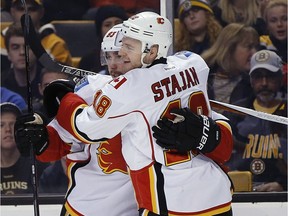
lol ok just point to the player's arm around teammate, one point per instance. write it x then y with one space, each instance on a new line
92 122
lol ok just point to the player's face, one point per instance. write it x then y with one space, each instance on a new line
131 53
115 64
16 53
265 85
7 131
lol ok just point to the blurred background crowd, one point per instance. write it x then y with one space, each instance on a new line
244 42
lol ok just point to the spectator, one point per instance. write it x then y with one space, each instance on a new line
261 145
198 29
247 12
15 169
12 97
46 77
275 16
106 17
5 11
54 45
16 77
229 62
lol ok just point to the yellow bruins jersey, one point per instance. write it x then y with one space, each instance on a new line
53 44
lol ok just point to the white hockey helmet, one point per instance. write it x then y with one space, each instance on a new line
150 28
112 41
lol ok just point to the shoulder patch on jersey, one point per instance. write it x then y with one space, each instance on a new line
183 54
80 84
118 81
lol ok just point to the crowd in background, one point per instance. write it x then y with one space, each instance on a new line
231 36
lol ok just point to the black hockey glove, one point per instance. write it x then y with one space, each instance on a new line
54 93
30 130
194 132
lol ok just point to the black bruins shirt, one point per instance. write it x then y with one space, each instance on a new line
17 179
260 145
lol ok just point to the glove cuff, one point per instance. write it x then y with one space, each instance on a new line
211 135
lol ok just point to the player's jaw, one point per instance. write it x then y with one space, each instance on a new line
116 69
131 60
116 73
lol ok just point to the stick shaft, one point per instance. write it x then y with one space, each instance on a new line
246 111
26 30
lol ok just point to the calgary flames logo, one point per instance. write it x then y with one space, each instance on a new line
110 158
160 20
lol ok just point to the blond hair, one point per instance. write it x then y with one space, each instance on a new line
184 40
271 4
221 52
229 15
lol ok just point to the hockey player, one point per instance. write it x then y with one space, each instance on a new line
165 182
99 183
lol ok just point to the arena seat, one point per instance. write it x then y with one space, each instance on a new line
242 180
80 36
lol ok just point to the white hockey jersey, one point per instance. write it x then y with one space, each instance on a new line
99 183
165 182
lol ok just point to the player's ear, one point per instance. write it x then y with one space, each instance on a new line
152 54
154 50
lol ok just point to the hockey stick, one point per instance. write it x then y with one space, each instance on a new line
246 111
26 30
44 58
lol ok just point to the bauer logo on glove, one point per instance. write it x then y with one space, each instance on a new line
196 132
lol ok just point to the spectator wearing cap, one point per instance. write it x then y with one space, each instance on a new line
15 169
247 12
5 11
261 145
198 29
53 44
106 17
12 97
